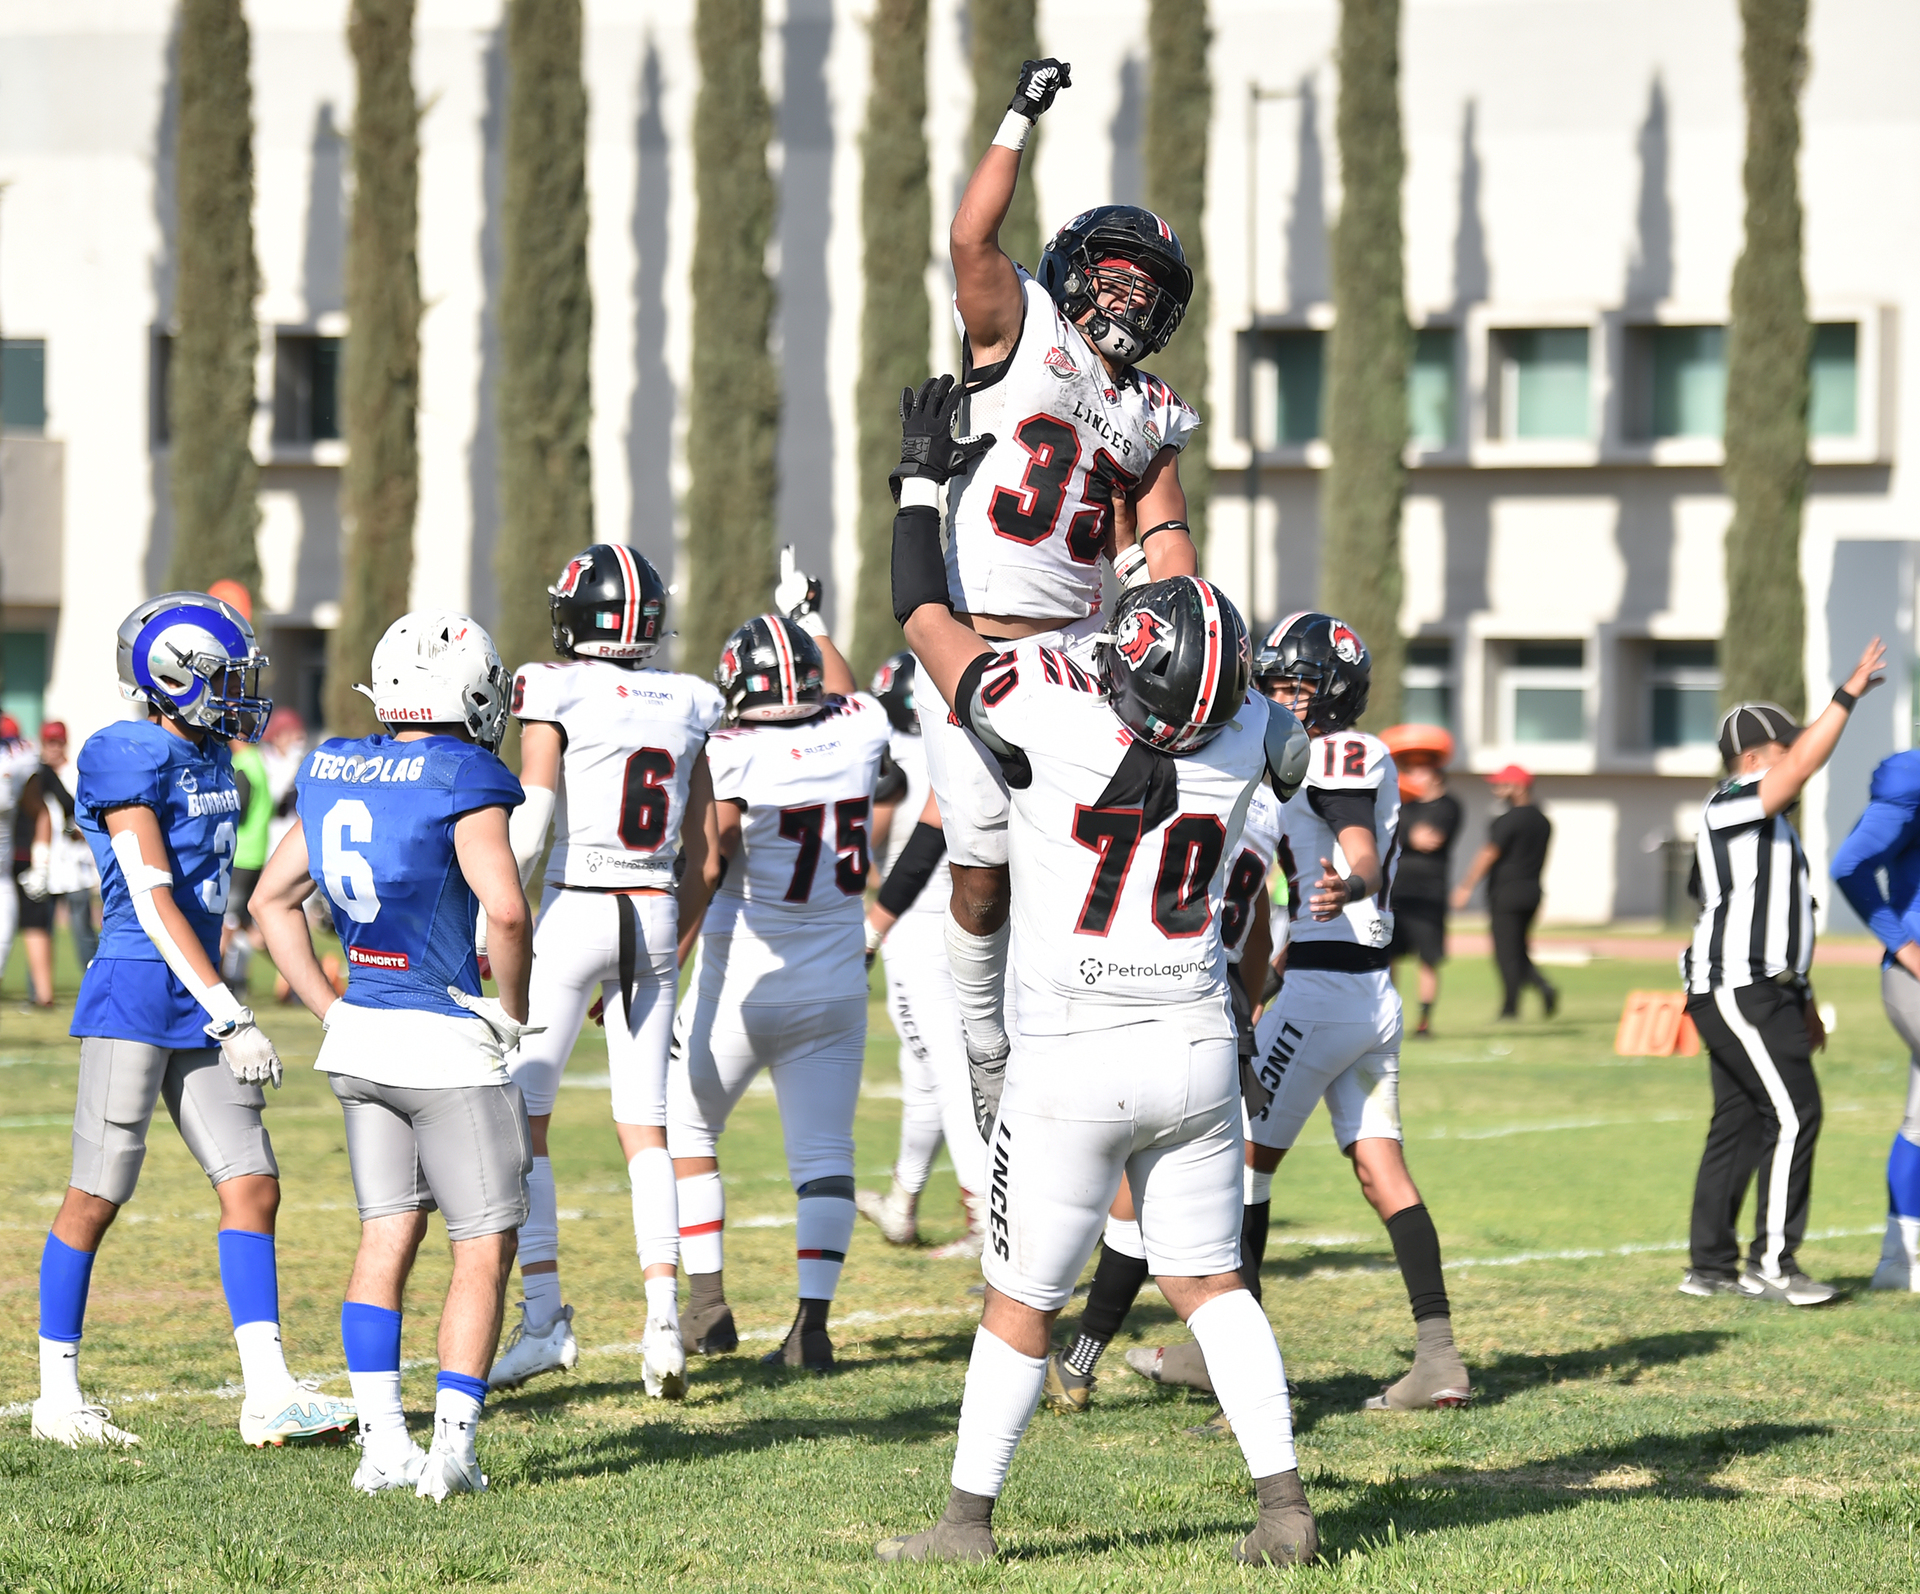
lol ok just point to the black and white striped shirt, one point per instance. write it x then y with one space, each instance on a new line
1756 914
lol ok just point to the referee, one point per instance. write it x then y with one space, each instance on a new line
1747 994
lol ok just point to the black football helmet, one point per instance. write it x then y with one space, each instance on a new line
1070 271
608 604
1175 663
770 670
893 685
1325 654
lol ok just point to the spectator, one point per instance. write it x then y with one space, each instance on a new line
18 761
1429 824
60 871
1511 862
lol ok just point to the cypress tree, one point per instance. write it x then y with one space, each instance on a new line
896 218
733 409
1367 353
210 383
1763 649
1179 119
1004 35
382 386
546 323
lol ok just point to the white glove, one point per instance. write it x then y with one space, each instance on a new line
247 1050
1130 567
33 879
480 934
797 595
507 1031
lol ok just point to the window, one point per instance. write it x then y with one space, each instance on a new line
1834 372
1430 390
1546 690
1689 373
159 372
306 388
1685 681
1427 683
1541 388
23 659
1286 388
23 384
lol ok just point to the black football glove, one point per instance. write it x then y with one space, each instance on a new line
928 447
1039 82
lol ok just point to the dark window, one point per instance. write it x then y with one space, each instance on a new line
23 384
1549 655
306 388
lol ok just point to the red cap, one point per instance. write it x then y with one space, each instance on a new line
1512 775
53 731
9 728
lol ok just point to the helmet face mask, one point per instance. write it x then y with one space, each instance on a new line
438 668
1175 663
194 659
1119 273
608 604
770 672
1326 656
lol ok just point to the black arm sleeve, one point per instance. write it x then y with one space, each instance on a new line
919 567
1343 807
913 869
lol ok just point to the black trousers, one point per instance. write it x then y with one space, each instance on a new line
1766 1118
1511 925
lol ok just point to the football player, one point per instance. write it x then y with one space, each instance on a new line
908 917
780 981
407 834
1083 464
1131 783
610 752
158 806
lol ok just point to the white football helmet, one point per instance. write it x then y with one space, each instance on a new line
437 668
195 659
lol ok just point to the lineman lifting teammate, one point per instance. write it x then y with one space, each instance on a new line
158 806
1085 466
406 833
1131 783
781 979
610 751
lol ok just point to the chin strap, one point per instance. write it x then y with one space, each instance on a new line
143 880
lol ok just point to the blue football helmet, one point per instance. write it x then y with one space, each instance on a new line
195 659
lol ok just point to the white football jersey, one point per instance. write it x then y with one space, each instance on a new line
1246 890
910 755
1027 526
631 739
1346 761
1118 881
793 901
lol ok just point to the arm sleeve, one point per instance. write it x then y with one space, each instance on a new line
1342 808
913 869
219 1003
1886 828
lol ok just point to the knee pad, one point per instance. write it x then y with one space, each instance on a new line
1903 1177
110 1167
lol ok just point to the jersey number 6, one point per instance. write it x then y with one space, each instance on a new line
644 799
348 875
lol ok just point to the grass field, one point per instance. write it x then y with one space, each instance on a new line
1625 1436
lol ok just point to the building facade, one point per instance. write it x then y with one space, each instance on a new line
1573 213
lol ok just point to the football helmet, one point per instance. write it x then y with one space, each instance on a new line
1175 662
1325 654
608 604
770 670
195 659
893 685
1075 268
438 668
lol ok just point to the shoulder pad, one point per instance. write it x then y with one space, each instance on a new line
1288 750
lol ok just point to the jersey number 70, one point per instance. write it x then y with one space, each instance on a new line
1189 856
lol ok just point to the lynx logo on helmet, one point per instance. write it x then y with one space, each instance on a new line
569 582
1140 633
1346 644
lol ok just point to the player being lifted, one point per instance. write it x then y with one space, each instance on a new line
610 752
158 805
1131 782
908 916
781 979
406 833
1084 464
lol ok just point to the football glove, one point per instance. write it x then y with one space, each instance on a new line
507 1031
1254 1094
1039 82
33 879
797 595
988 1078
928 448
246 1049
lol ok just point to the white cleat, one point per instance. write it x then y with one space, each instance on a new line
75 1426
531 1351
970 1245
374 1477
296 1415
1899 1267
443 1473
663 1360
894 1214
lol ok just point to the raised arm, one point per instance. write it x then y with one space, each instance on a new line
1781 784
797 596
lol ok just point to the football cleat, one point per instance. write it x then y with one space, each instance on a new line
443 1473
1897 1269
75 1426
1179 1365
1286 1533
375 1477
710 1330
894 1213
803 1347
1431 1383
1218 1426
1064 1389
1793 1287
944 1541
663 1360
970 1245
1697 1281
530 1351
295 1416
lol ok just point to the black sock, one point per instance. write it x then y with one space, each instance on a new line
1417 1249
1426 1012
705 1290
1254 1218
1085 1355
813 1314
1116 1281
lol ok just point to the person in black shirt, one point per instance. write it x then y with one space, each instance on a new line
1429 825
1511 861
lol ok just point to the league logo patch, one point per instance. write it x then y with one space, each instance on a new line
1346 644
1139 634
1058 361
1152 431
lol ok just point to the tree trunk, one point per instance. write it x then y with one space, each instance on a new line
1005 34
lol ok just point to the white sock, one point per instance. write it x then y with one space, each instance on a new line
543 1297
263 1365
60 1374
1243 1360
703 1209
822 1231
456 1421
663 1298
1124 1236
540 1234
979 964
920 1139
383 1425
1003 1387
1255 1187
656 1207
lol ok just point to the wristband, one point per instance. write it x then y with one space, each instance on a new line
1356 888
1844 698
1016 127
919 492
875 935
1165 525
811 623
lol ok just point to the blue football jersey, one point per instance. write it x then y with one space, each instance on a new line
128 992
378 816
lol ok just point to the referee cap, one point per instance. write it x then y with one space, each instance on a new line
1750 725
